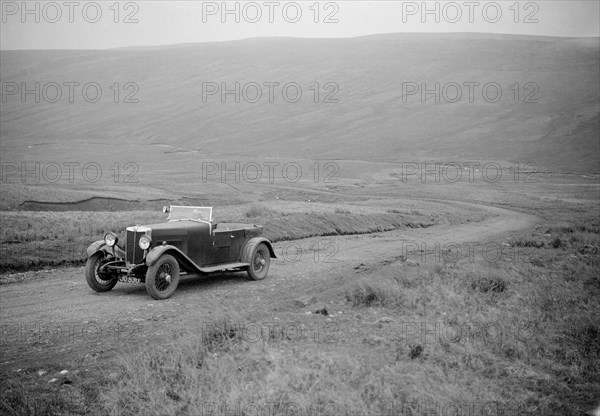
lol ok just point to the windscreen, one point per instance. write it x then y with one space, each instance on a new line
190 213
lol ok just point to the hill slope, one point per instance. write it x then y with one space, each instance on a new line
372 121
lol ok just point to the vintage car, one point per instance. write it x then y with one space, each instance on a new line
189 242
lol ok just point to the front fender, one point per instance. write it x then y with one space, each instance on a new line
95 247
155 253
99 245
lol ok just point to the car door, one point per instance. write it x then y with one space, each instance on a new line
228 244
237 240
222 244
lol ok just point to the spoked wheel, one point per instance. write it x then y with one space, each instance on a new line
260 260
162 277
98 279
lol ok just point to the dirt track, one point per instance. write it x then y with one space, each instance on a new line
54 312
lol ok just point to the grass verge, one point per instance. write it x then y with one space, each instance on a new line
32 240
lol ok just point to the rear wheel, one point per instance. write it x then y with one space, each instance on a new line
260 260
162 277
98 279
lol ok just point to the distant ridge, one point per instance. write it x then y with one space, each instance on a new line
380 36
373 120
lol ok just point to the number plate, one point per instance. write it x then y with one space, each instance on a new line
129 279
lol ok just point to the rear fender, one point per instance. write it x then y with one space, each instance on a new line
259 240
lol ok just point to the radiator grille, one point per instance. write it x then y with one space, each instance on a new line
134 254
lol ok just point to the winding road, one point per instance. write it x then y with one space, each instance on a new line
53 313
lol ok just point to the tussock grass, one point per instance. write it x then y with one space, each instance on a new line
565 228
18 401
489 284
531 332
527 242
561 235
575 234
258 211
585 336
212 373
250 378
514 338
557 242
221 335
377 292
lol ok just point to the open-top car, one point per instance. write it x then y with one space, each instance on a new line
189 242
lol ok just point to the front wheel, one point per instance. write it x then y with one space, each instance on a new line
98 279
260 260
162 277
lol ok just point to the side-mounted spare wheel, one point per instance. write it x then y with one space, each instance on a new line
97 279
162 277
258 255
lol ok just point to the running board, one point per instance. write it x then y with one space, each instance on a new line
223 267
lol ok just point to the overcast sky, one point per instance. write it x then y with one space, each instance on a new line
108 24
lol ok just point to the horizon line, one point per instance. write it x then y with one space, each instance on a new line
130 47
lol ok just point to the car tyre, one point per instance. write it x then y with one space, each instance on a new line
259 259
99 281
162 277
